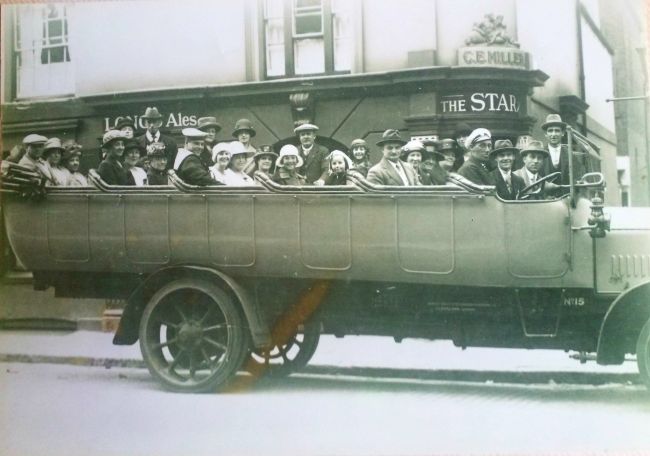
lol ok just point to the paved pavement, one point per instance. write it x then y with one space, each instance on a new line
355 356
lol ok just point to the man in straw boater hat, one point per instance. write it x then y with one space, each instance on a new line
479 145
188 164
391 170
508 184
211 127
558 153
313 154
153 122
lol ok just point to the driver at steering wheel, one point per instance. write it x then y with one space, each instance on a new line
533 156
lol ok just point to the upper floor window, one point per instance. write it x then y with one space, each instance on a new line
307 37
42 55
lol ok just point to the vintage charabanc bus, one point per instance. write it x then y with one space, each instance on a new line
217 279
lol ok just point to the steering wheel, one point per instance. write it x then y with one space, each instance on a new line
547 178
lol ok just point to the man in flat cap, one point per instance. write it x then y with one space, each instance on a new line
313 154
188 164
479 145
391 170
153 122
558 153
508 184
34 146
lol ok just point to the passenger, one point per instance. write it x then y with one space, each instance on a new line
339 164
153 122
413 153
391 170
235 174
360 155
533 155
126 125
157 174
431 165
558 159
188 164
479 144
52 153
264 160
287 165
460 135
72 161
243 133
221 159
210 126
508 184
450 155
313 154
33 155
135 174
110 169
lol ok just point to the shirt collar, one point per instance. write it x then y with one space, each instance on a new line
531 176
505 174
152 138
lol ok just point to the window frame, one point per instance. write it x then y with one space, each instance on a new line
41 45
290 37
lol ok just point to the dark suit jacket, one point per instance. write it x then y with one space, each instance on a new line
383 173
171 149
517 184
314 164
193 171
112 173
579 165
477 172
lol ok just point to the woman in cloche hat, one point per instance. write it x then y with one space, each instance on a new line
287 165
52 153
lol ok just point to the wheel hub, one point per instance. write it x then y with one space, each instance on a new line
190 335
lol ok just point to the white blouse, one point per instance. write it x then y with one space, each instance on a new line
139 175
238 179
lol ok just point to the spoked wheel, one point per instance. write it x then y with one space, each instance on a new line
192 336
284 359
643 353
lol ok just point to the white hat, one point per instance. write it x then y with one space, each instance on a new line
194 133
477 136
305 127
34 139
220 147
237 148
288 149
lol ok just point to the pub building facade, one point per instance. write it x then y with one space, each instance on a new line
353 67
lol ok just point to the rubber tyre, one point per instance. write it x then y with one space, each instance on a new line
643 353
161 364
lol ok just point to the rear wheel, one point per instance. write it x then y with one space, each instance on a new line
192 336
643 353
283 359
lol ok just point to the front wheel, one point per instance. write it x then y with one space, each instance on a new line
192 336
643 353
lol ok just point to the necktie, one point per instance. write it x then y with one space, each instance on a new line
509 183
